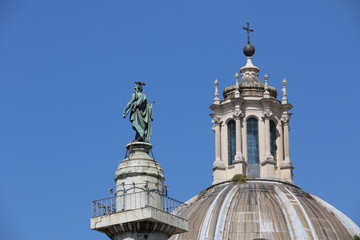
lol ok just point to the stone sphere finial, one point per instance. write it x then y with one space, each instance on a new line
249 50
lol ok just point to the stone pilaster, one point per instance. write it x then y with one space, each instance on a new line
286 166
268 163
218 165
239 161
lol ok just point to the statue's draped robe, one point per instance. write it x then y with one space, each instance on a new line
140 115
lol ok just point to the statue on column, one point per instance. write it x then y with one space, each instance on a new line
140 114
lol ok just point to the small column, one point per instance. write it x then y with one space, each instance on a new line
217 123
268 162
286 166
218 166
239 157
285 120
280 147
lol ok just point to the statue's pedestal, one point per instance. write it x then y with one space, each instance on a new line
140 208
137 223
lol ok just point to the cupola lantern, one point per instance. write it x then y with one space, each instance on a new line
251 127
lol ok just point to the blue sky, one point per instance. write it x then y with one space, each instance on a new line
67 70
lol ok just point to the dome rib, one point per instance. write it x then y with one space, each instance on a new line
343 219
220 225
204 234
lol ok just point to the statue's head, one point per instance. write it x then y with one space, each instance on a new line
138 88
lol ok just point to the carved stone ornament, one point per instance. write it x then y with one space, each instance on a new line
238 114
267 113
249 73
285 118
216 120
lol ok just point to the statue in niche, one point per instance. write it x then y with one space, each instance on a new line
140 114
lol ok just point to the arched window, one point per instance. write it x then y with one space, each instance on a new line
252 140
231 141
252 134
273 146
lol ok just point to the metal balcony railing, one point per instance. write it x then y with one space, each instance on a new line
137 200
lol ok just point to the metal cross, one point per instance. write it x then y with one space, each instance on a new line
248 31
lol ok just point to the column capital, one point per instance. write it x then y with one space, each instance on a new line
238 114
216 120
285 118
267 113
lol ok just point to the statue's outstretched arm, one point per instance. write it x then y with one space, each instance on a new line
128 106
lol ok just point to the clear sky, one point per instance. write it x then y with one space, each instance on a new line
67 70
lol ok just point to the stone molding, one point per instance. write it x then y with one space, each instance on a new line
268 160
286 165
144 220
218 165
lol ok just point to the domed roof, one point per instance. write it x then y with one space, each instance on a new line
250 84
263 209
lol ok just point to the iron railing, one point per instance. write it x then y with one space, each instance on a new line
137 200
125 188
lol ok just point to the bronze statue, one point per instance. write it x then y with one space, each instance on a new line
140 114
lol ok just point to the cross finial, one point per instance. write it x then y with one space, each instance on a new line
248 31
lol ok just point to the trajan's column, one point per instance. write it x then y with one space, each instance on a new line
139 207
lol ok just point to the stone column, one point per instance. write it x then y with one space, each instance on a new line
286 166
244 142
134 183
267 138
239 157
285 120
286 140
280 145
216 128
268 162
218 166
137 211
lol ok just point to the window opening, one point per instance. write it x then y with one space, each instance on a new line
231 141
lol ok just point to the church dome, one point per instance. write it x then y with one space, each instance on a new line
263 209
251 130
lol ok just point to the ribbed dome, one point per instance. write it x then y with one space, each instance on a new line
261 209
